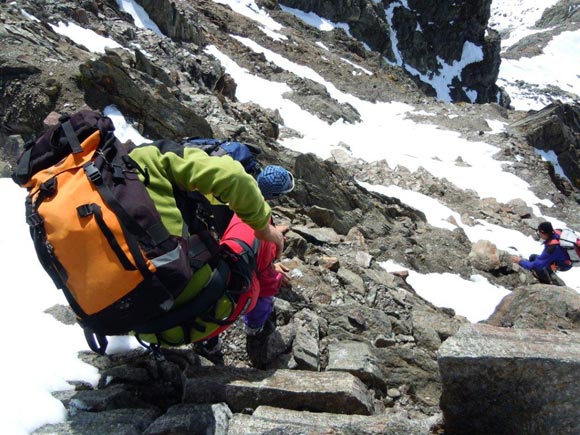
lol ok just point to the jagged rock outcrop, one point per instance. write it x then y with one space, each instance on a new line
366 20
555 128
315 97
108 80
560 17
348 204
564 12
29 90
507 381
178 23
167 92
417 36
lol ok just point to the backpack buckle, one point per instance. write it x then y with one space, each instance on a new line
118 174
48 188
92 173
34 220
85 210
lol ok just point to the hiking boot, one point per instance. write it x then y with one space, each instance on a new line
556 280
258 344
252 332
260 331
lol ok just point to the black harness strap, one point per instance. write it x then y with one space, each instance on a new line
94 210
158 234
128 224
187 313
97 342
242 267
251 251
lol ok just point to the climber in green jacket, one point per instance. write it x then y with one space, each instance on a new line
169 164
167 169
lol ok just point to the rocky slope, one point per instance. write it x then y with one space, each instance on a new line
356 347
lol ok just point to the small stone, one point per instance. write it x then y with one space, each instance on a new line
393 393
330 263
381 341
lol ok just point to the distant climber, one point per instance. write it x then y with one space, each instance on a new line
553 258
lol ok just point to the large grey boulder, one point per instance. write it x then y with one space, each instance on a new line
539 307
192 420
356 358
485 256
507 381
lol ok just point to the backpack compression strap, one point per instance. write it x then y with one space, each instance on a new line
22 173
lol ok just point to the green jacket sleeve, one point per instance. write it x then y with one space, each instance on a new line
169 164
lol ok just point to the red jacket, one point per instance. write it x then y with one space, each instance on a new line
265 280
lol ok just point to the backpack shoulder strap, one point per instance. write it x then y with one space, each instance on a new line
157 232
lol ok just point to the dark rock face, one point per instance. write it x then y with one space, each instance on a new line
555 128
180 24
481 76
108 80
420 36
28 90
366 19
349 203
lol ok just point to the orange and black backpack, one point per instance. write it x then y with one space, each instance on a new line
98 235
